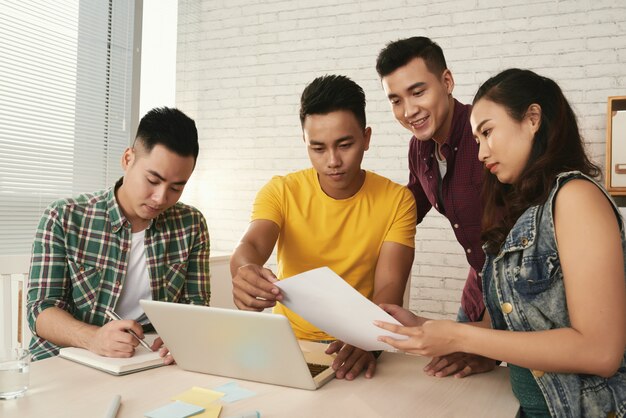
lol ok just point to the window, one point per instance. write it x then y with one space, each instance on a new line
66 105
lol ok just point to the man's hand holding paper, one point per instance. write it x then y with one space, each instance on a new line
323 298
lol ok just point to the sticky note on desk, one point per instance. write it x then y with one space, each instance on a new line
175 410
202 397
212 411
198 396
233 392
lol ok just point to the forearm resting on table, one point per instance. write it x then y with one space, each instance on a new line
60 328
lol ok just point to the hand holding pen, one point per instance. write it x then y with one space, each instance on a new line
115 317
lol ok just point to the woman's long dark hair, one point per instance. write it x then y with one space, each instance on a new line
557 147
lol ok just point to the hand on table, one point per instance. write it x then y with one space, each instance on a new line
350 361
163 351
459 364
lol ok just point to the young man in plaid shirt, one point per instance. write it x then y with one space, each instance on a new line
109 249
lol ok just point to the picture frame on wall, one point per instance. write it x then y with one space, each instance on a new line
615 176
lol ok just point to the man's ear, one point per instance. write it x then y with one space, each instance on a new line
534 117
448 81
128 158
367 135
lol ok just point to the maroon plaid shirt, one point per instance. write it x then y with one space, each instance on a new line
461 196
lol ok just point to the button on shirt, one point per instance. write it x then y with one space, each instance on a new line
80 259
460 192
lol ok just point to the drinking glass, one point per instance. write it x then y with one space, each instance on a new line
14 372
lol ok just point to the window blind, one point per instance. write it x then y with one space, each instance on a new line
65 105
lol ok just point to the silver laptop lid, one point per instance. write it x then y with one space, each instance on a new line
239 344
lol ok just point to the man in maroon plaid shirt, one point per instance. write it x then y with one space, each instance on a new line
444 168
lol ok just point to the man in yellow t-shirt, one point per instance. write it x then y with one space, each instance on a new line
335 214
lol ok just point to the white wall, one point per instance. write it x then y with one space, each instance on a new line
242 65
158 55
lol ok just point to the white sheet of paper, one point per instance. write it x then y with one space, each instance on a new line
324 299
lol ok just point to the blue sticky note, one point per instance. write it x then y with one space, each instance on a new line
175 410
233 392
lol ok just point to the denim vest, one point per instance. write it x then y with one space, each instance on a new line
528 279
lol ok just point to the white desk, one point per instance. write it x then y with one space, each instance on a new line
60 388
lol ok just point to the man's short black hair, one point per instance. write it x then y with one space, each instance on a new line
398 53
171 128
330 93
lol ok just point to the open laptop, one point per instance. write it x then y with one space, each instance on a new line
239 344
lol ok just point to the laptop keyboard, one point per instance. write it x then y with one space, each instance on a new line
316 369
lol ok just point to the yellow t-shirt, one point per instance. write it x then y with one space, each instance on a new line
345 235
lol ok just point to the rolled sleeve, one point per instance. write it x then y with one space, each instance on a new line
48 284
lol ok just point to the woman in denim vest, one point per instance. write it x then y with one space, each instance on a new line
556 313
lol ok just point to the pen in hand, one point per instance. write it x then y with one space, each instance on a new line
115 317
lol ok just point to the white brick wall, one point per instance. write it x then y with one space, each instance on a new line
242 64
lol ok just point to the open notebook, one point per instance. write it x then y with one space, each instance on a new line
142 360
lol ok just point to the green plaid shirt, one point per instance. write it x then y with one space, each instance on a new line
80 258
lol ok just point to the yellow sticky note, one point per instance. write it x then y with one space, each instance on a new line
212 411
202 397
199 396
